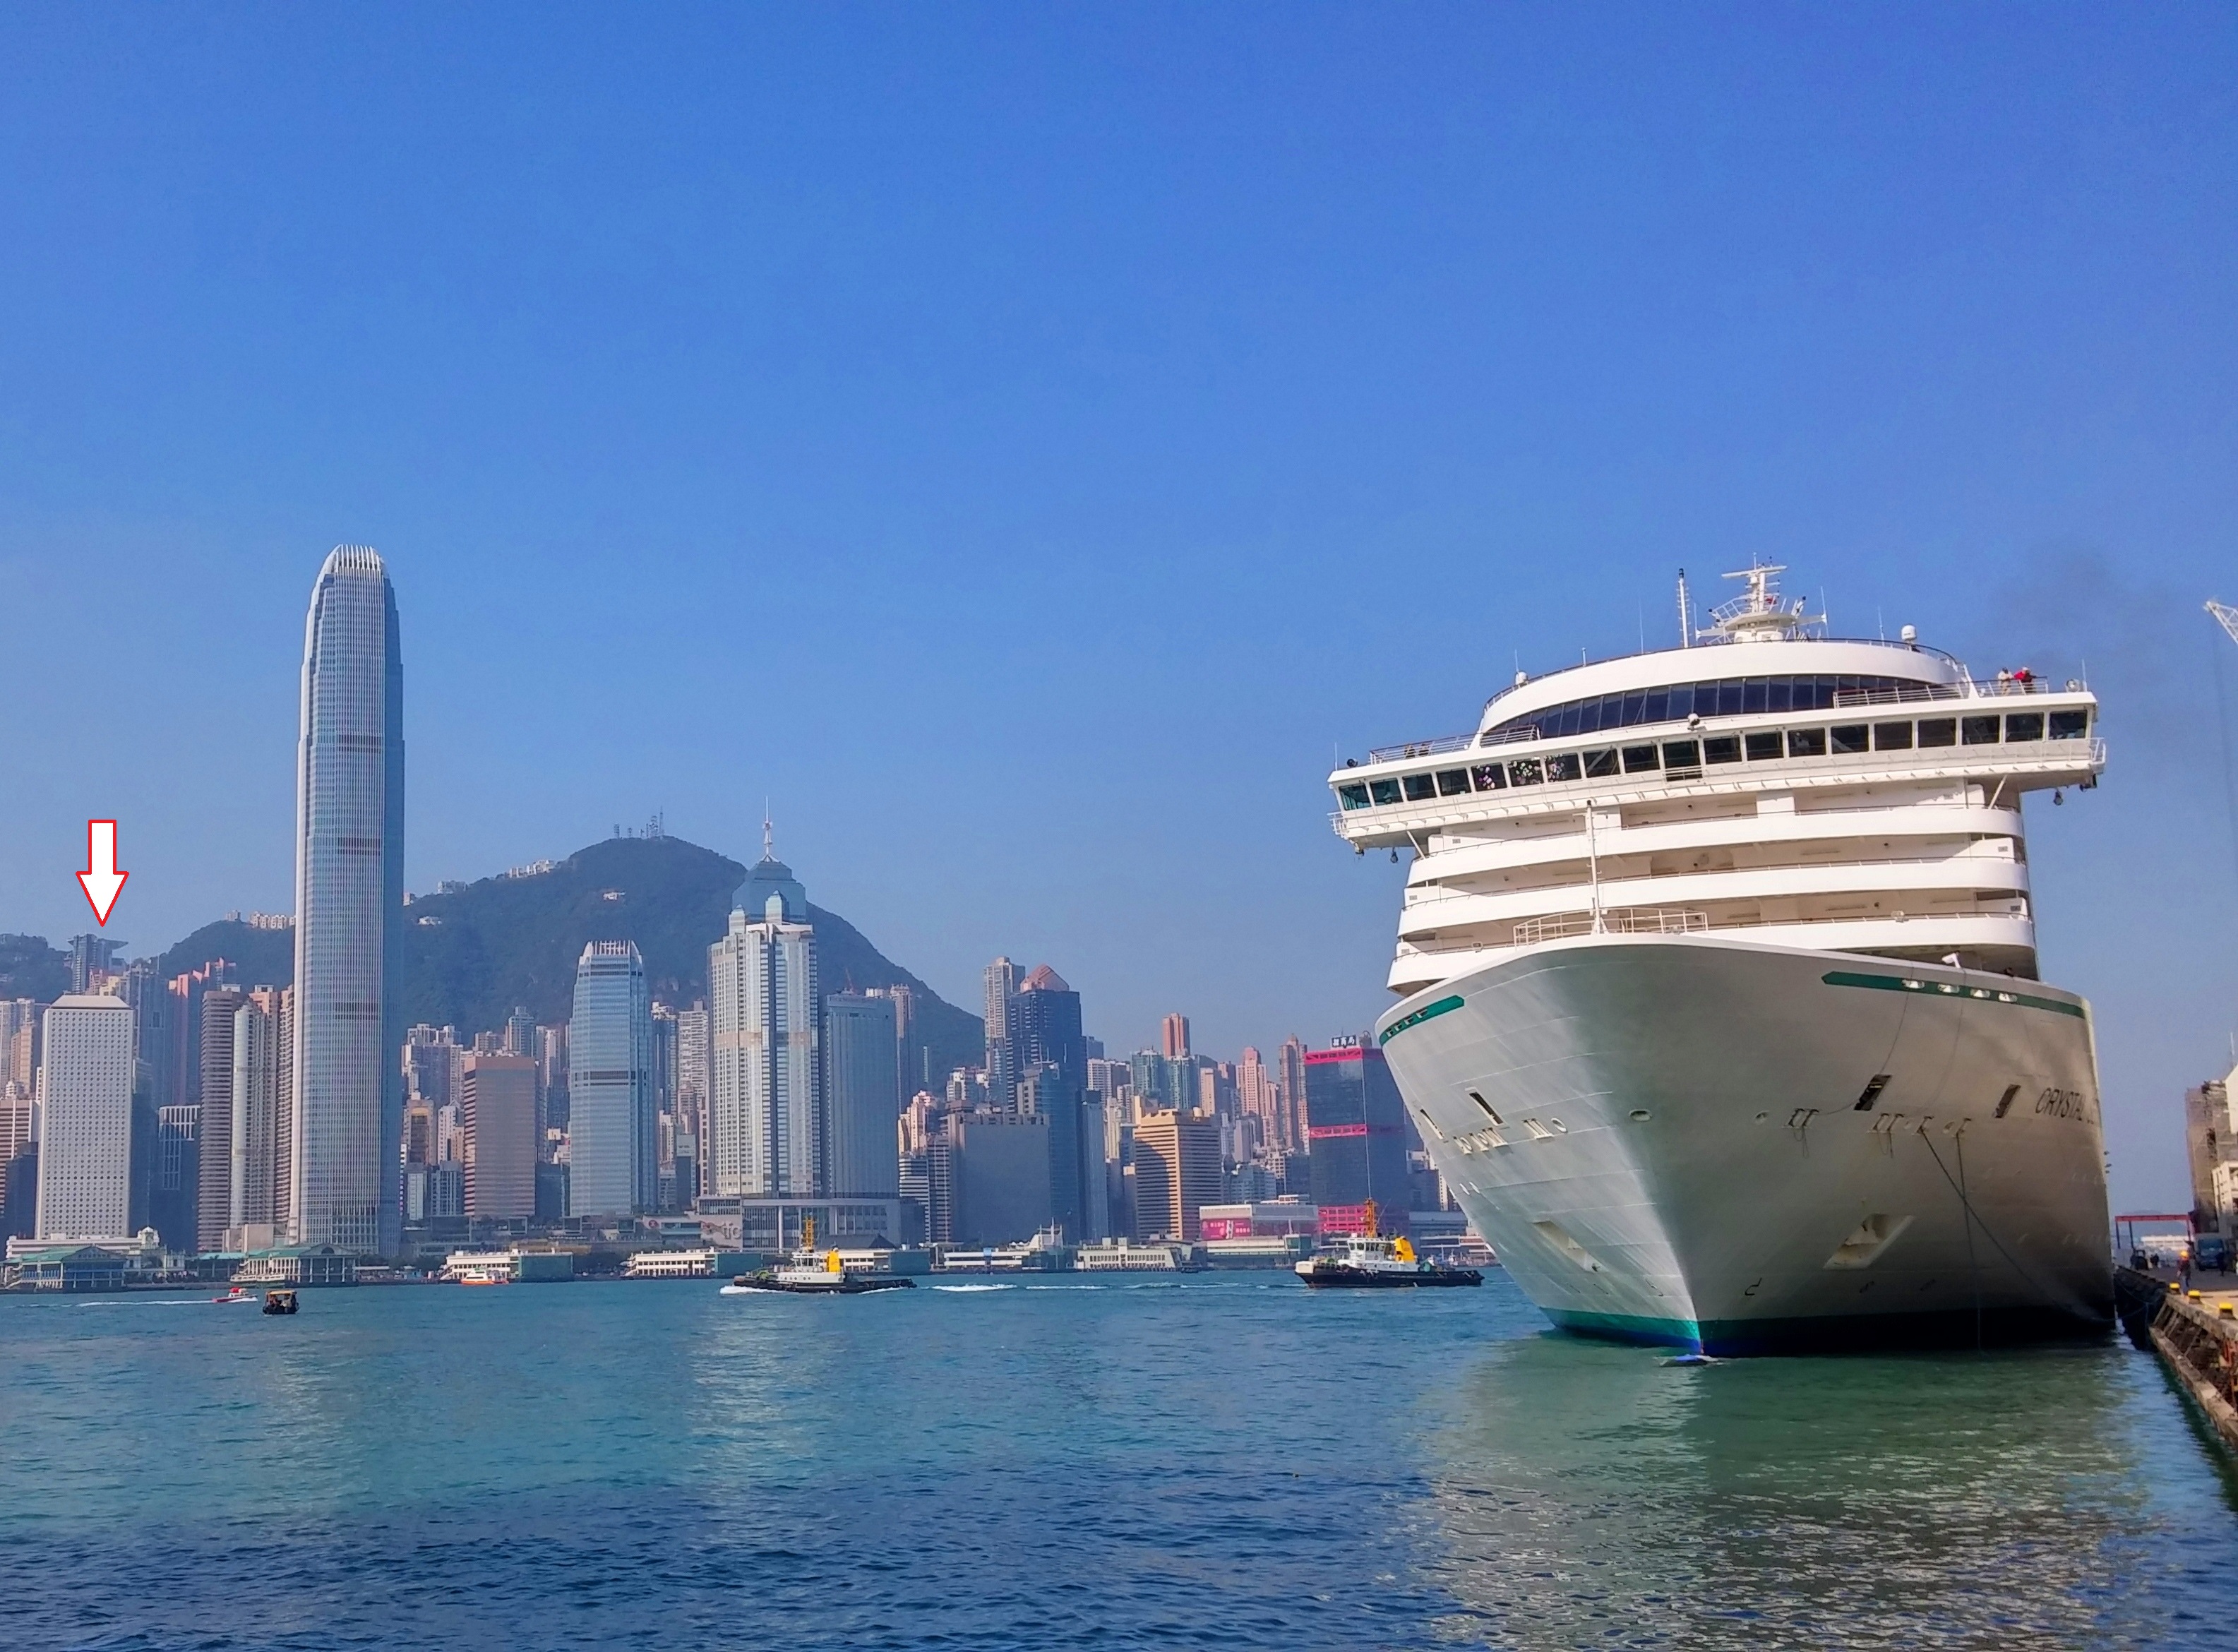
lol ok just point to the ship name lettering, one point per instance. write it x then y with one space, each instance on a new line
2063 1104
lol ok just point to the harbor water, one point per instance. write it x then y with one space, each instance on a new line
1225 1461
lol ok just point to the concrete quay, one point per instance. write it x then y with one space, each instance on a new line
2194 1330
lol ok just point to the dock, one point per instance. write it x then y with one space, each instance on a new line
2194 1330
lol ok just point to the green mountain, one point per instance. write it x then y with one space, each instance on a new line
472 954
31 968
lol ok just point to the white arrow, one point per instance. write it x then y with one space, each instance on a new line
100 877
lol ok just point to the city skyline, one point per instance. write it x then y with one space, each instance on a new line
1517 334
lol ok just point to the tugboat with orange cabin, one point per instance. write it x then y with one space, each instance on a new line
1375 1261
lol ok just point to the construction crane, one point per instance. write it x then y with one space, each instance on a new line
2225 615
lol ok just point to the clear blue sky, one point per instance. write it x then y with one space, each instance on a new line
1023 442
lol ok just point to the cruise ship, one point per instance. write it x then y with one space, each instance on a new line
1719 1003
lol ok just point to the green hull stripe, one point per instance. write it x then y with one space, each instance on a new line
1426 1013
1951 989
1630 1327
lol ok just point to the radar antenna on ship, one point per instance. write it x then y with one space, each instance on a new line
1759 614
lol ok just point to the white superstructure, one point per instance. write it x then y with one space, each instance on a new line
1720 1010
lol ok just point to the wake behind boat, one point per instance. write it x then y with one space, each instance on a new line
1719 1007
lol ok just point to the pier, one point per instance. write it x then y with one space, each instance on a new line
2195 1333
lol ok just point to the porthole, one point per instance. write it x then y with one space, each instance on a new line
1639 1115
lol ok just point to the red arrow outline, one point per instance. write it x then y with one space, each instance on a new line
99 916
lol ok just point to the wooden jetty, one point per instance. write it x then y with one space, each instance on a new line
2195 1332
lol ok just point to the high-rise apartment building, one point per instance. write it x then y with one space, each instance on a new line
91 957
497 1111
1002 980
520 1031
862 1097
613 1133
1177 1172
221 1008
1174 1037
691 1080
765 1093
1290 1096
262 1072
349 1095
86 1112
19 1042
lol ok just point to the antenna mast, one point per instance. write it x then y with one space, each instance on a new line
1685 614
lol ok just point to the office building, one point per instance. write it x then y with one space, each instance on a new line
85 1118
1002 985
862 1097
1047 1046
91 958
520 1031
349 1095
262 1072
612 1132
497 1115
552 1078
1357 1125
174 1198
19 1042
766 1095
997 1171
1177 1173
1174 1037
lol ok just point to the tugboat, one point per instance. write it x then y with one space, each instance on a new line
806 1273
279 1302
1374 1261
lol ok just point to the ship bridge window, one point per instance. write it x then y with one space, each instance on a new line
1638 759
1725 748
1453 782
1682 754
1891 736
1564 766
1762 747
2069 725
1420 787
1599 765
1978 731
1848 736
2024 725
1489 776
1806 742
1728 696
1525 771
1384 791
1938 731
1353 796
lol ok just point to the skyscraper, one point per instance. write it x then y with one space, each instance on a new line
861 1097
520 1031
497 1111
1357 1125
1002 1074
612 1132
766 1095
260 1061
1174 1037
349 1093
1050 1057
1177 1172
85 1112
1290 1094
213 1205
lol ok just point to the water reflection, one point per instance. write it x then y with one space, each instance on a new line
1584 1493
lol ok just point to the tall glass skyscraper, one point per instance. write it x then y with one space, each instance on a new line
348 1093
612 1132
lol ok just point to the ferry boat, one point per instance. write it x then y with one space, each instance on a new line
1374 1261
1717 999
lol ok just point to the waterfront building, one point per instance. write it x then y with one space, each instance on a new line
766 1081
861 1096
85 1118
611 1131
348 1093
998 1172
781 1224
1177 1173
1260 1219
1357 1125
497 1111
221 1007
1001 984
1174 1037
2211 1144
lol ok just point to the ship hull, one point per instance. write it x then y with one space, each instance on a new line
1681 1155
